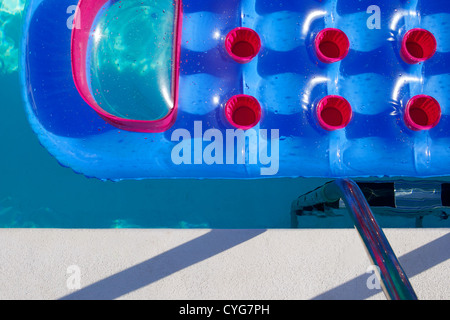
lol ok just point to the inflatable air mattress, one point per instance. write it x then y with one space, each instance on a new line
240 88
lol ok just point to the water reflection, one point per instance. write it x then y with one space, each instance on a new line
10 18
131 60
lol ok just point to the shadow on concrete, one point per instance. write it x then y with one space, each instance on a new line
164 264
217 241
413 263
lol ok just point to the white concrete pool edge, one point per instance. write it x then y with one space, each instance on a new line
166 264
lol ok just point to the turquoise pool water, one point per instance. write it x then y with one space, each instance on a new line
36 192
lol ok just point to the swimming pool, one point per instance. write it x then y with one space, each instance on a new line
36 192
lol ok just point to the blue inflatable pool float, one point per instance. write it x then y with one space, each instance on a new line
240 88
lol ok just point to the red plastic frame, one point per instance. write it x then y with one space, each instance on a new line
424 40
340 107
337 38
85 14
243 35
430 108
238 102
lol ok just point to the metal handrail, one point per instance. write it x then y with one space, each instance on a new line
394 281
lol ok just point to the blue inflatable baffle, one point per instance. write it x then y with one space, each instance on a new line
240 88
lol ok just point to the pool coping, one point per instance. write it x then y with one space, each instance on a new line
222 264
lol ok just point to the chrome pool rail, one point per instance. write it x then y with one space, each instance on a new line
394 282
